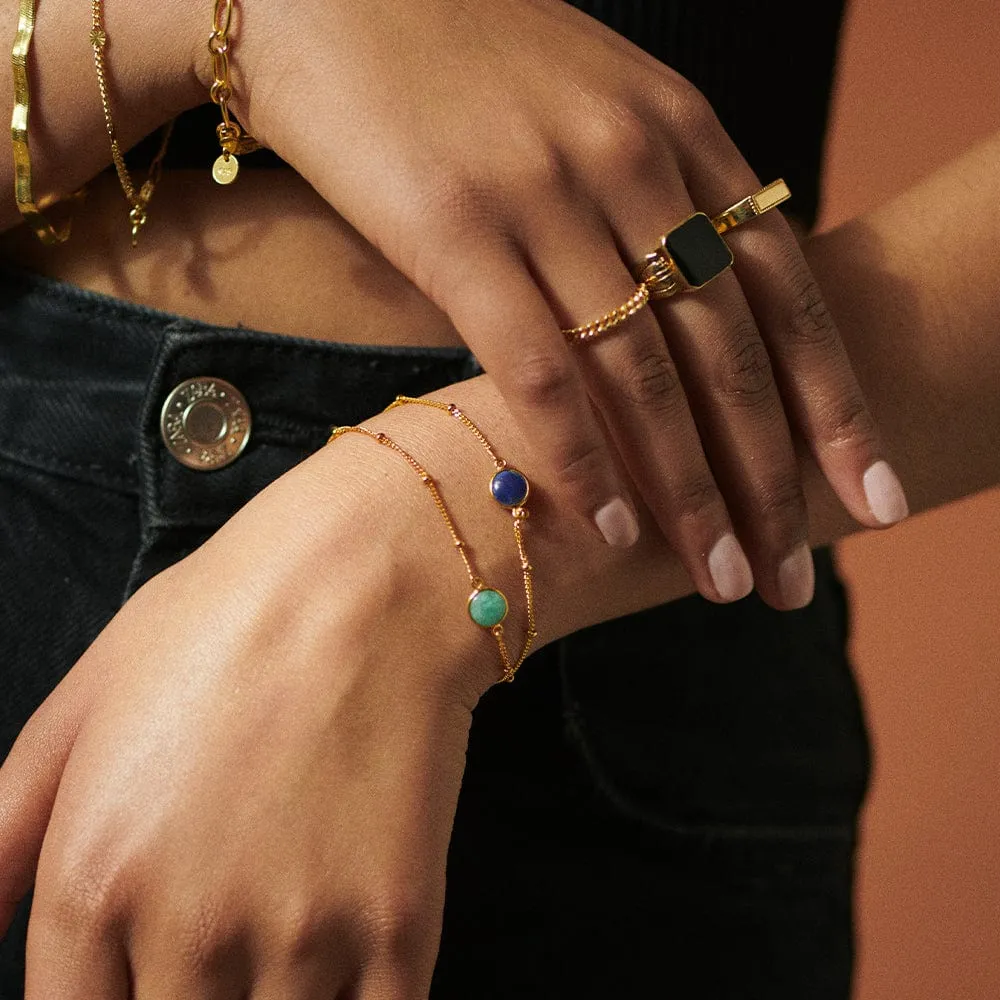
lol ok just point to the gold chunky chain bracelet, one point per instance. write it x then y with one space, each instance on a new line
232 137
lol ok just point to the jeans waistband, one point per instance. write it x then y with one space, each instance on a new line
83 377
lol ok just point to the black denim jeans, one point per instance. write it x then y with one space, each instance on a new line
665 804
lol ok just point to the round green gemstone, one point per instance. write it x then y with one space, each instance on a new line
487 608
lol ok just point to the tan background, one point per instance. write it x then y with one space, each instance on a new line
920 81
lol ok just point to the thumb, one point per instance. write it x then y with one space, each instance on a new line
29 780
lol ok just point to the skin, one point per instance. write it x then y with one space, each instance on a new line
139 796
118 798
504 183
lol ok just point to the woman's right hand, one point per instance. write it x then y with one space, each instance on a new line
513 159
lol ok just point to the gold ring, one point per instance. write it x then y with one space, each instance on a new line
694 252
638 299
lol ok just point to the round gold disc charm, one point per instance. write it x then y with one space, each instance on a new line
225 169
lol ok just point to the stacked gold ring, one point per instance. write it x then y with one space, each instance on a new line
688 257
638 300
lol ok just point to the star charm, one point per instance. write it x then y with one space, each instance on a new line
98 39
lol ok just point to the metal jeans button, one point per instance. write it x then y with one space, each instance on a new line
205 423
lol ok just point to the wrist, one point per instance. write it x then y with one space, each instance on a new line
362 543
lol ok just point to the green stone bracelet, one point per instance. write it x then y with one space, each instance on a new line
487 606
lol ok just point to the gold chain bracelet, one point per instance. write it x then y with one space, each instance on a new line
510 489
232 138
487 606
137 200
26 205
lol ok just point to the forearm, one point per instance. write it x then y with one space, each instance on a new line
151 51
913 288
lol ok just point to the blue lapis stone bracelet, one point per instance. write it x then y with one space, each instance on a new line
509 488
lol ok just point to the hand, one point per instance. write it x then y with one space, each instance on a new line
513 159
237 796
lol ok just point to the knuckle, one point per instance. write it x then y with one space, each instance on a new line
811 325
578 467
691 110
781 500
546 381
853 423
623 143
89 897
304 931
651 382
696 501
203 940
540 165
397 926
745 376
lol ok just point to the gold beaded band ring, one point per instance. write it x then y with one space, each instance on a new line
609 320
486 606
694 252
232 137
31 211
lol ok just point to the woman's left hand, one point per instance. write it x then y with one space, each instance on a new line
237 796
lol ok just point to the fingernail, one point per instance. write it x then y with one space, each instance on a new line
730 569
884 492
797 578
617 524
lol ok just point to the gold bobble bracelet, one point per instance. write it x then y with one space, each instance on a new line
487 606
26 205
232 138
137 200
510 489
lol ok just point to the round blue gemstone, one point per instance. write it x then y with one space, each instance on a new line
509 488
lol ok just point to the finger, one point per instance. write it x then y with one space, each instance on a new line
739 412
632 379
724 367
501 314
29 781
817 380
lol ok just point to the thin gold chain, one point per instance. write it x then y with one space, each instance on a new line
509 668
519 513
138 200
